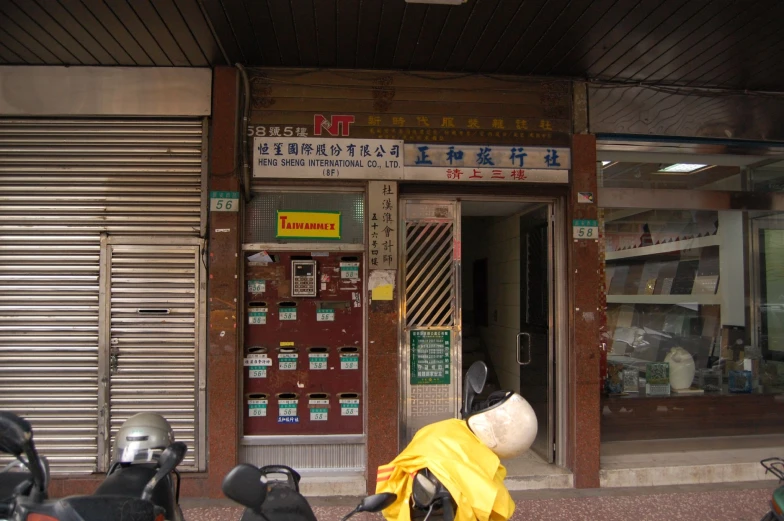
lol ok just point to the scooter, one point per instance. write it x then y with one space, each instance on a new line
129 478
456 463
267 499
776 467
30 502
429 497
15 480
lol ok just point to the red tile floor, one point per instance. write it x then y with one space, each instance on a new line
723 502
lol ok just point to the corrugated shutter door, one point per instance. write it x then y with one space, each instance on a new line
154 324
62 184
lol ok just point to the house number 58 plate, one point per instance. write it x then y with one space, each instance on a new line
585 229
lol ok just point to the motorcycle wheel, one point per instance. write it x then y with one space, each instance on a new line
770 516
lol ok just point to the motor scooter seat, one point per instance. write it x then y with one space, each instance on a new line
282 503
129 481
103 508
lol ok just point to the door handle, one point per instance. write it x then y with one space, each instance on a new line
520 351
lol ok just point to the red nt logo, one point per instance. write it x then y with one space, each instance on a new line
336 126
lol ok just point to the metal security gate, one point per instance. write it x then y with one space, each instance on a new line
150 328
431 317
64 182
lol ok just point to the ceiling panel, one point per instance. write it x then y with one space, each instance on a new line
411 30
285 31
386 39
139 31
245 30
102 25
432 28
169 14
53 23
12 27
326 33
347 14
302 12
717 43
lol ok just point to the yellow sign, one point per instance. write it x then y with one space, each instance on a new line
308 225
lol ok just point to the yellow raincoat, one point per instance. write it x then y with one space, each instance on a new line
471 472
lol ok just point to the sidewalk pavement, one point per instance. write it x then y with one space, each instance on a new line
715 502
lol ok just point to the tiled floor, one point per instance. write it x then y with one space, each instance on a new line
725 502
687 461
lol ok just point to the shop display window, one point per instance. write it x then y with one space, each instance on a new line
694 323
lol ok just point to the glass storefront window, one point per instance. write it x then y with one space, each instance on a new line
671 175
695 323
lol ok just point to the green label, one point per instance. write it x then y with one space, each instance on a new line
288 313
224 201
257 286
325 315
318 361
585 222
287 408
430 357
287 362
257 408
318 415
257 371
257 318
349 361
349 407
349 270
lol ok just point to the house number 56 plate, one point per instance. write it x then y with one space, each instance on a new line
224 201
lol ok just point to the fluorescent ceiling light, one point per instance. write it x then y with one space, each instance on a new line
605 163
681 168
437 2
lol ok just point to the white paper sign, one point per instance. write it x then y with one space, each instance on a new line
300 157
382 224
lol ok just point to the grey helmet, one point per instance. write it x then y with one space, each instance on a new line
142 438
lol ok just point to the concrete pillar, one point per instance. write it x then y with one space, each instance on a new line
585 288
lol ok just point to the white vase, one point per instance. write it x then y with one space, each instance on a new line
682 368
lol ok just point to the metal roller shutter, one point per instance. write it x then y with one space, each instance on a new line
62 184
152 330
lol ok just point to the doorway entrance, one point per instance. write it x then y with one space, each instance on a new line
478 282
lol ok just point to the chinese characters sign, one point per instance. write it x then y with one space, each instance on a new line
382 224
465 156
328 158
487 163
298 157
430 357
308 225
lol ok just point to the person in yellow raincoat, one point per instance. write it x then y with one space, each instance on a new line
469 470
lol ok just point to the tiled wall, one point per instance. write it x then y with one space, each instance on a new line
498 240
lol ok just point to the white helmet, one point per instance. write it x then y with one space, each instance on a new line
507 426
142 438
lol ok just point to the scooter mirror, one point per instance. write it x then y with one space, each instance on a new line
475 379
376 502
243 485
423 490
170 458
15 433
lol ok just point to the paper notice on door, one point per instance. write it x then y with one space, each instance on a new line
383 292
382 284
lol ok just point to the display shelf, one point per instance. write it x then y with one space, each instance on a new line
705 300
667 247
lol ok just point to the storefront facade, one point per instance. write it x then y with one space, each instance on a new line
690 235
103 282
424 217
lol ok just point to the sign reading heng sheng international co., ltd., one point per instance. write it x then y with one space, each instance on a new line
294 224
295 157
